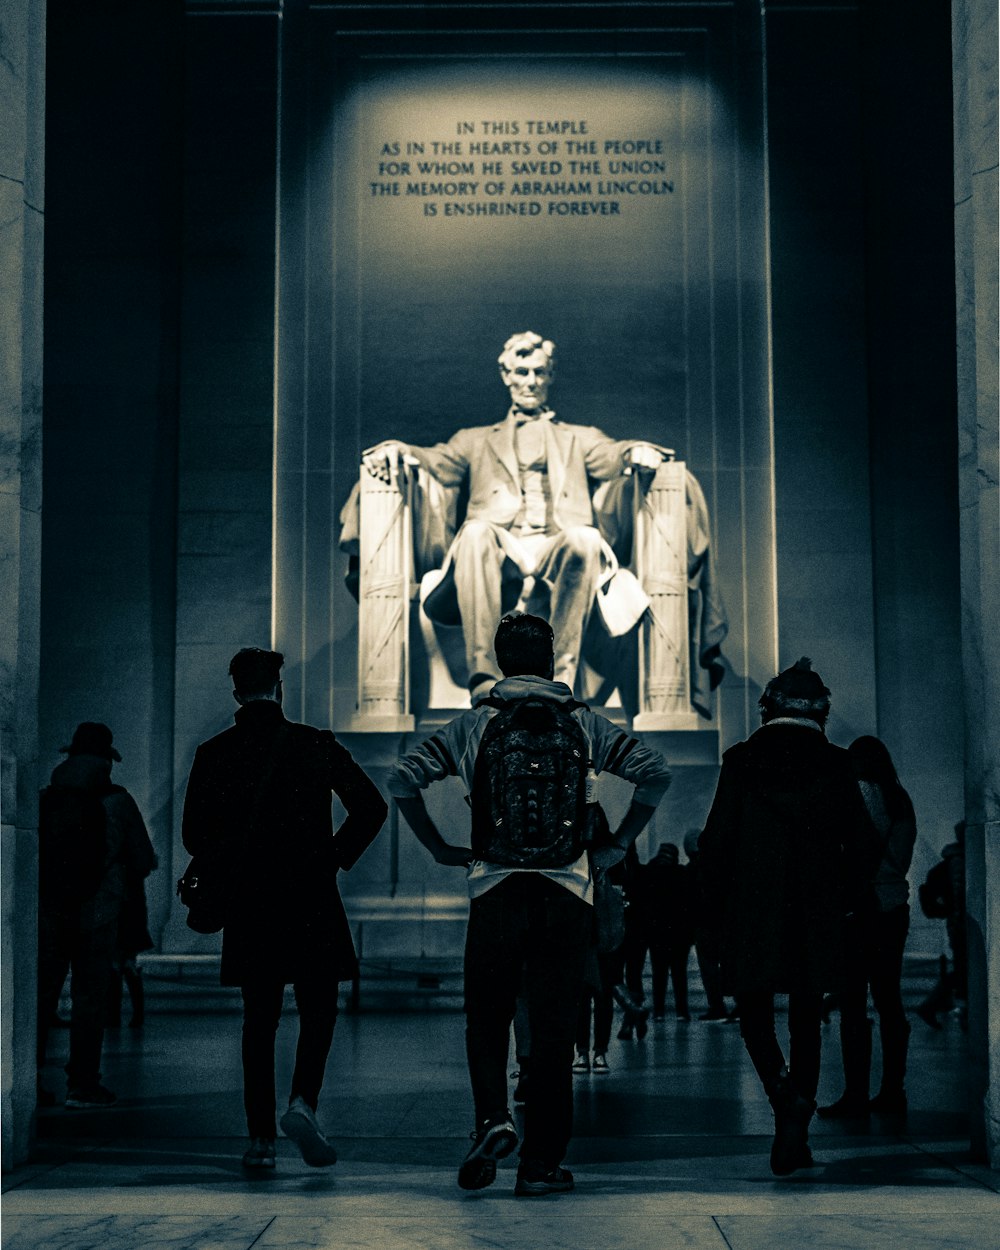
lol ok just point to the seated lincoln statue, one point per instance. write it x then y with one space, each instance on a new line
547 527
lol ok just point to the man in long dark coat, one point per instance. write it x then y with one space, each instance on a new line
785 857
259 797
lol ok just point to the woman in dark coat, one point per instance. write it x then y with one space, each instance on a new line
258 804
785 857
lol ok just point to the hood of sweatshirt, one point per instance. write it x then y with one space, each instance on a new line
527 686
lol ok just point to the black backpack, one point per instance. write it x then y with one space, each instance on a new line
934 893
529 796
72 844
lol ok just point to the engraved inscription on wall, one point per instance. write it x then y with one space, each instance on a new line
522 167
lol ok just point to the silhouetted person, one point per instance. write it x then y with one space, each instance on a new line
786 854
942 897
132 940
259 802
629 990
91 837
876 937
666 895
706 941
597 1007
523 755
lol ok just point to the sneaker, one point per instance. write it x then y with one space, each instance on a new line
534 1179
581 1064
600 1064
90 1098
300 1124
792 1113
889 1102
495 1140
847 1107
260 1156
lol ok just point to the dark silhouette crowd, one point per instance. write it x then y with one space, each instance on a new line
796 885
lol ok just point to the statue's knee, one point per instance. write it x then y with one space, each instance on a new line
476 536
582 543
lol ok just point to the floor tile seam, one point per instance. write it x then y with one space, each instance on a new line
269 1223
932 1154
725 1239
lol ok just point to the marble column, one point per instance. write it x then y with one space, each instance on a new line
974 52
22 101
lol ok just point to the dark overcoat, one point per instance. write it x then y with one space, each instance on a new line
276 844
786 854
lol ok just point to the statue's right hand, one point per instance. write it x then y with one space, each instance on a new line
383 460
454 856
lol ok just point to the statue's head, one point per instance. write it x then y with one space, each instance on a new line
527 368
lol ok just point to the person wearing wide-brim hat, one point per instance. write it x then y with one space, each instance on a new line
92 738
786 855
92 838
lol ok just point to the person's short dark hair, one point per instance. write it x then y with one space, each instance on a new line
796 692
255 671
524 645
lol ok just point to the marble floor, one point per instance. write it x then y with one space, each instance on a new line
670 1150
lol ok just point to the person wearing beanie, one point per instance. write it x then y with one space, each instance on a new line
92 842
786 856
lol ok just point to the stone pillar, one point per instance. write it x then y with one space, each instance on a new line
974 52
22 151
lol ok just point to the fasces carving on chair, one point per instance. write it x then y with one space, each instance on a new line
608 539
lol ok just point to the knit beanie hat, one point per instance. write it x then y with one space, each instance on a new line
797 691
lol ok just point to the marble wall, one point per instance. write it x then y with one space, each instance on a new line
112 321
864 408
22 213
974 44
224 418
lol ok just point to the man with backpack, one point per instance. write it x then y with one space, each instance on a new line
524 755
91 838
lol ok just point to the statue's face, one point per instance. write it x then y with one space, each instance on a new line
528 379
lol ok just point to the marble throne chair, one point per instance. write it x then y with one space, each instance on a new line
410 669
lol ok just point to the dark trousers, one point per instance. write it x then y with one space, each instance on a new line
262 1000
669 960
529 931
599 1003
875 953
634 950
759 1037
63 947
707 949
